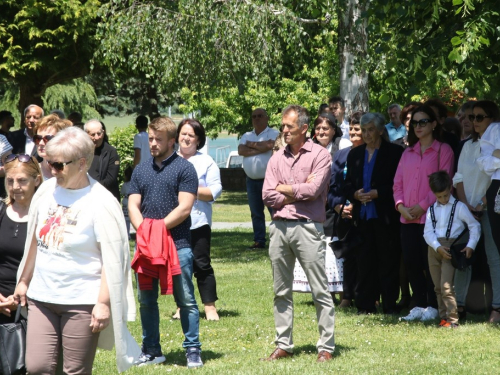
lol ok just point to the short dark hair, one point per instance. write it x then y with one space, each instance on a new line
322 108
355 118
440 181
198 128
4 115
331 121
141 122
335 99
408 109
302 114
441 107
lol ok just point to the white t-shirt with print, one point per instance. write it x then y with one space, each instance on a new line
68 260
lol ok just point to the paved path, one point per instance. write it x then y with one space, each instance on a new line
224 225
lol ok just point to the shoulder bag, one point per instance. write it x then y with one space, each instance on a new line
13 346
345 245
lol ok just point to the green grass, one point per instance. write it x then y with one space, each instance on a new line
232 206
373 344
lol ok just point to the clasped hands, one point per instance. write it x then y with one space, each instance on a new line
411 213
367 197
7 305
445 252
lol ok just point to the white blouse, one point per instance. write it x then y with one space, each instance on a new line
490 141
475 181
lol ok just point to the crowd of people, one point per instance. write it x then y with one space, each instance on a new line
408 189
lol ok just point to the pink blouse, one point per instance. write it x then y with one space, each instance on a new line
411 182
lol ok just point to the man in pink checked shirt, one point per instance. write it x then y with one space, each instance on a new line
295 187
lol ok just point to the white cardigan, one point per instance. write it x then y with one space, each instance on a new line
116 261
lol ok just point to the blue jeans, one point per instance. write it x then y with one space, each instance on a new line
254 193
184 298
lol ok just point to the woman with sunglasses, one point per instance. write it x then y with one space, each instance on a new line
75 273
22 178
45 130
426 154
486 119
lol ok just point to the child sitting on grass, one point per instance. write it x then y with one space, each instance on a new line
445 221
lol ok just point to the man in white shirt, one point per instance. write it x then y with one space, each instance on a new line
256 149
141 140
22 140
337 107
395 128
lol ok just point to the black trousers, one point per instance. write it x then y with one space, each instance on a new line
491 193
203 271
378 261
417 265
350 264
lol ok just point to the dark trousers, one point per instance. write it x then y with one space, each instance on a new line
202 267
415 257
350 264
491 193
378 266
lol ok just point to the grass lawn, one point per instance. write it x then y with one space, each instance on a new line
232 207
374 344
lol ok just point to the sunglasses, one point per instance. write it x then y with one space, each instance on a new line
23 158
478 118
260 115
57 165
420 123
37 138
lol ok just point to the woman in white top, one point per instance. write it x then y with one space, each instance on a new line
75 272
45 130
486 115
191 138
471 184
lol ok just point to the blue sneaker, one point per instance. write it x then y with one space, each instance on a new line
193 356
148 359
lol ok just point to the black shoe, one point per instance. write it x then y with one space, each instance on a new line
256 245
462 315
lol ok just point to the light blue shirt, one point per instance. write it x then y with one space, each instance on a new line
395 133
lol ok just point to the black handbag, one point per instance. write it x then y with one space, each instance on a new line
345 245
459 259
13 346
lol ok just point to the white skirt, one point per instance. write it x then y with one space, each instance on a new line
334 273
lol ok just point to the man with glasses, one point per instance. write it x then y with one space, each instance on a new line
22 140
106 163
256 148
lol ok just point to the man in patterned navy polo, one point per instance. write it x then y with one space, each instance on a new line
165 188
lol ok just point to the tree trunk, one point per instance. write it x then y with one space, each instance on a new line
352 46
28 94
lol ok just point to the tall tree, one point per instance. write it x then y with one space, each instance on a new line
45 42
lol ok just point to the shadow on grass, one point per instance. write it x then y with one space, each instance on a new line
230 245
178 357
223 313
237 198
311 349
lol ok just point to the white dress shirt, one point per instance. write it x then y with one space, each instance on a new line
490 141
255 166
463 218
30 144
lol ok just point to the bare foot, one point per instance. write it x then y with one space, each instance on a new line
177 314
495 316
211 312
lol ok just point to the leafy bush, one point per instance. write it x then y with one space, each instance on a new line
123 140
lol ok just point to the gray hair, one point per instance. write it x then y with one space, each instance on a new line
72 144
94 120
59 113
302 114
395 105
376 119
31 106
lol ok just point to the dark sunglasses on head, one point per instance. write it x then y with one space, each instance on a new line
58 166
478 118
46 138
23 158
420 123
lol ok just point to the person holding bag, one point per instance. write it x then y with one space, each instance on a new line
445 221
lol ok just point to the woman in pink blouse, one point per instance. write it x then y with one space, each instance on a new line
425 154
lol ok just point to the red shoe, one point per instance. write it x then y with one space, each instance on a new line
442 322
449 325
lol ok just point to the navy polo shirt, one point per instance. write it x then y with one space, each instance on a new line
159 189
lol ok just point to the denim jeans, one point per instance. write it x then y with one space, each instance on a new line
254 193
184 298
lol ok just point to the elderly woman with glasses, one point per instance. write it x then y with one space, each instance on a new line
75 273
46 129
368 185
426 154
23 177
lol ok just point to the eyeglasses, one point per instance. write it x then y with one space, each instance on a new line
420 123
46 138
57 165
23 158
260 115
478 118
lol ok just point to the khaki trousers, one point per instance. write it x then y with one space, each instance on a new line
443 273
306 243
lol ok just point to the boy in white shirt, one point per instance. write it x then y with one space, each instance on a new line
445 221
